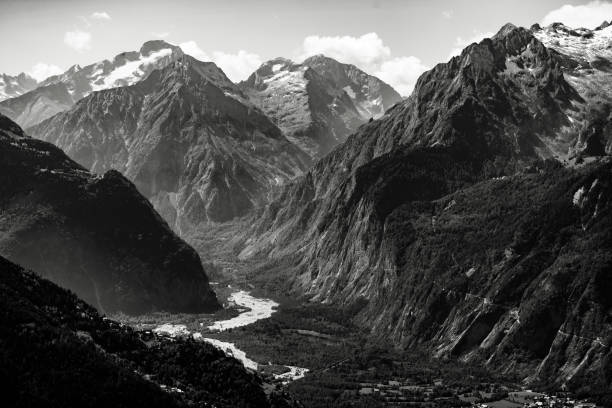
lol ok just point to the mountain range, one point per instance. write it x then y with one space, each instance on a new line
187 137
471 219
29 103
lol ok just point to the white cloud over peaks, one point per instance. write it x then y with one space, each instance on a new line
78 40
100 15
192 48
447 14
401 73
236 66
42 71
369 53
588 15
366 52
461 43
163 34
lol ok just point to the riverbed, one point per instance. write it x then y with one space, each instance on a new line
252 309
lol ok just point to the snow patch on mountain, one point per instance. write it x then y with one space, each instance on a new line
130 72
579 43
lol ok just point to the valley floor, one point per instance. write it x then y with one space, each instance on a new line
316 354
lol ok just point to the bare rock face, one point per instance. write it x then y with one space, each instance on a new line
95 235
59 92
187 137
318 103
462 221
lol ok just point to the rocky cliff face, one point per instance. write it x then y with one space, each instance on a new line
13 86
188 139
43 100
319 103
95 235
444 222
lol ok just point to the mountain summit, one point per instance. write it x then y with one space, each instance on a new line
318 103
59 92
187 137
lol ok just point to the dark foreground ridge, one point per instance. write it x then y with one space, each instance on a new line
95 235
56 351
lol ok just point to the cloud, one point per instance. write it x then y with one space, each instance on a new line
161 35
461 43
237 66
589 15
447 14
43 71
78 40
366 52
192 48
369 53
100 15
401 73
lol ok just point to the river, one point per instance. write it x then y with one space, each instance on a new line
254 309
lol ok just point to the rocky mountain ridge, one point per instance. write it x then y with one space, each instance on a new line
45 99
464 205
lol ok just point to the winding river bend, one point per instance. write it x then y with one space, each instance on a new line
254 309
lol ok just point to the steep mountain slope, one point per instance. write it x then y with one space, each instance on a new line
587 61
443 222
49 97
188 139
56 351
319 103
95 235
35 106
371 96
12 86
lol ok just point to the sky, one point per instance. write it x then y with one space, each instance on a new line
395 40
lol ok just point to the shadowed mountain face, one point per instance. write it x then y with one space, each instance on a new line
59 92
318 103
188 139
57 351
95 235
444 223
